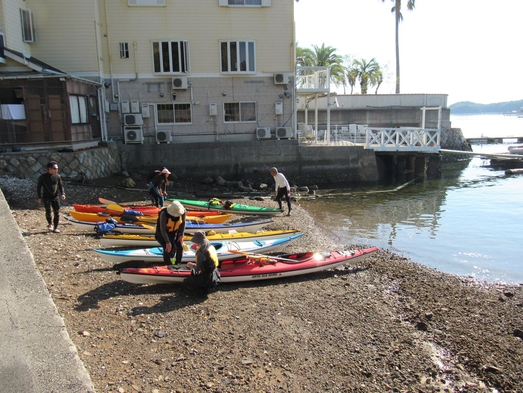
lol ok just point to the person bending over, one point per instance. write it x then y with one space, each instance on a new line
282 189
158 187
170 228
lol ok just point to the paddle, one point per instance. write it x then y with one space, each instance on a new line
262 257
104 201
115 207
142 224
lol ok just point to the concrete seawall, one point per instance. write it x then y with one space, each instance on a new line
231 160
334 163
253 159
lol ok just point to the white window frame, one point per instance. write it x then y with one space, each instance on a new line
79 109
146 3
244 3
241 114
28 25
161 48
237 52
175 114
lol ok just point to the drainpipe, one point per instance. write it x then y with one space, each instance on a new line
107 35
328 139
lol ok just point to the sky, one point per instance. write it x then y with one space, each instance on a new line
468 49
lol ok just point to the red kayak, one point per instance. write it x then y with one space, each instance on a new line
145 210
252 267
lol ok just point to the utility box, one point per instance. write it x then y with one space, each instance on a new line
135 106
146 112
213 109
278 108
125 107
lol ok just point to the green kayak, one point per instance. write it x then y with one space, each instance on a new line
226 206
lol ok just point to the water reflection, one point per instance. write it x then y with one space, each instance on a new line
456 224
370 212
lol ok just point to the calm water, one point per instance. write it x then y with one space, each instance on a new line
468 223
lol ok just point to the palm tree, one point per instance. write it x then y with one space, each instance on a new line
322 56
367 72
304 56
352 77
396 9
377 79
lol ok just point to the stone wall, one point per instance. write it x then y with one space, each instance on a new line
94 163
453 139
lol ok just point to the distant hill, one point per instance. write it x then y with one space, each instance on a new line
467 107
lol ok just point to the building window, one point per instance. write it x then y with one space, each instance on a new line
171 57
124 50
146 3
174 113
238 56
2 46
28 30
235 112
245 3
78 106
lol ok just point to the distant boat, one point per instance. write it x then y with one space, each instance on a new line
514 113
516 149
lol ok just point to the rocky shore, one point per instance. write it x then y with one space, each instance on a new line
386 324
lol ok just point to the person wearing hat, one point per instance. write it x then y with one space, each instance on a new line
282 189
170 228
204 273
157 184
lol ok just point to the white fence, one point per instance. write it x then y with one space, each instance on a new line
406 139
403 139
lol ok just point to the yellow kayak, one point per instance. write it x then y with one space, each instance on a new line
135 240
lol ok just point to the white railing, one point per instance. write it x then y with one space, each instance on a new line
403 139
313 79
406 139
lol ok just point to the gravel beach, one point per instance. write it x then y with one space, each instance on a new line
387 324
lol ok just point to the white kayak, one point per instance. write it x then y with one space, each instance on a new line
155 254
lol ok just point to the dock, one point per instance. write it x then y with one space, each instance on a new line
508 156
483 140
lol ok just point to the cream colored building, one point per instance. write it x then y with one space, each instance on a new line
165 70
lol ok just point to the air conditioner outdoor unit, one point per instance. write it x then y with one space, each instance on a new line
263 132
133 135
283 132
132 119
281 78
180 82
163 136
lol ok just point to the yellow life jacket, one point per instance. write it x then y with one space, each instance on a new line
172 225
214 255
